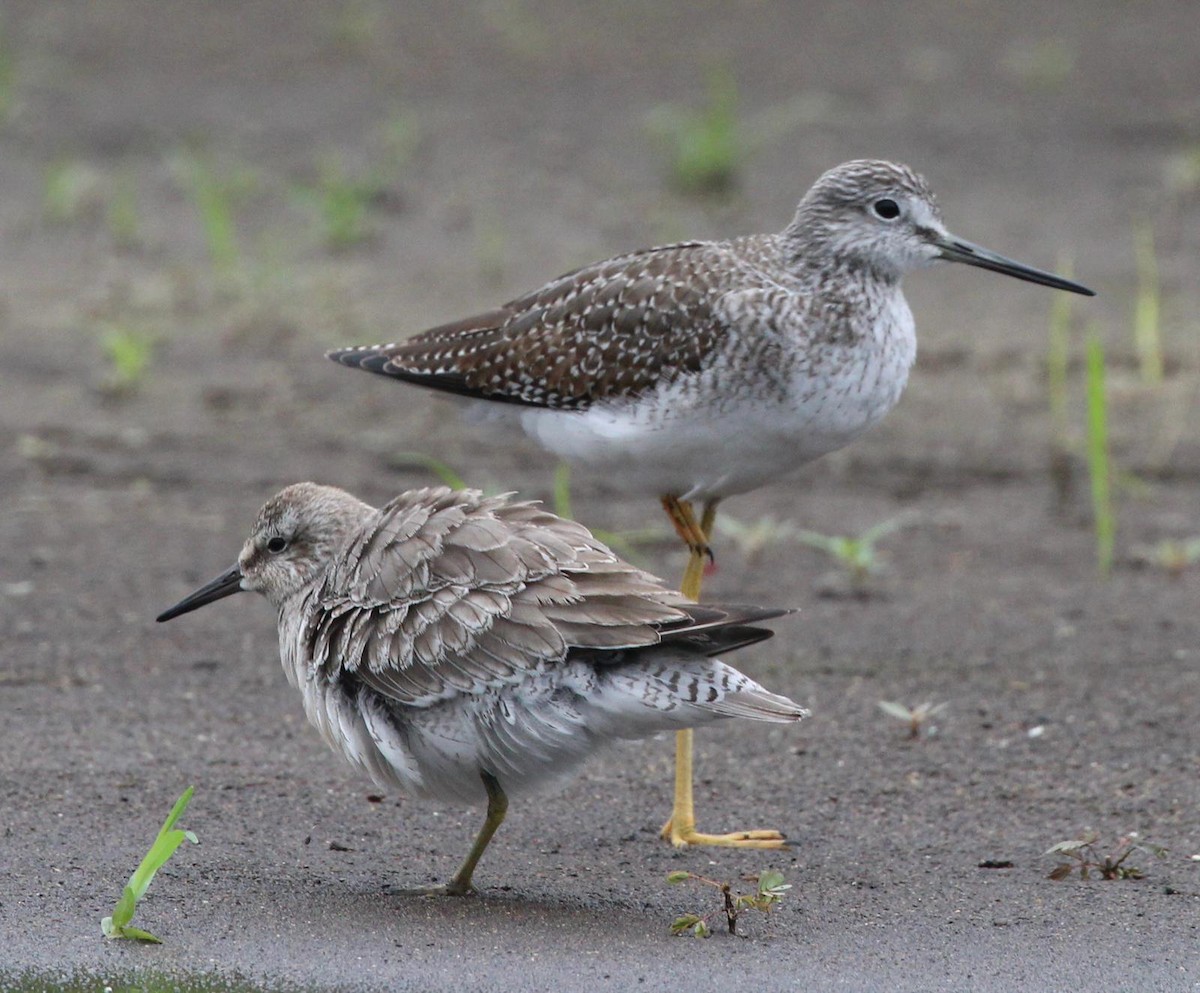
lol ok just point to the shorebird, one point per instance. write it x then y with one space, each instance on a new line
468 648
699 370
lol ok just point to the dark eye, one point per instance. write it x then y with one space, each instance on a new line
888 209
276 545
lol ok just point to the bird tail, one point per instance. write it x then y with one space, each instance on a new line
676 690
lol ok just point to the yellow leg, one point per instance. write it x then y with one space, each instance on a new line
680 830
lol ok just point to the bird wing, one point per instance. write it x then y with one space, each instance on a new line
610 330
447 592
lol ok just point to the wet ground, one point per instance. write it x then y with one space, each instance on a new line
173 189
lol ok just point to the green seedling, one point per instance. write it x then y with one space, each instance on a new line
340 205
857 556
1083 857
121 213
70 190
1099 462
8 76
624 543
214 196
1045 65
419 460
1058 357
128 355
769 890
168 840
916 717
1147 336
754 537
705 146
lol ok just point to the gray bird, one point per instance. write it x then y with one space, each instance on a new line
467 648
695 371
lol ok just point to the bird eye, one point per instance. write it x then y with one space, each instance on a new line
886 208
276 544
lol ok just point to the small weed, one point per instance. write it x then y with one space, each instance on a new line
624 543
168 840
214 196
1099 462
443 470
341 205
400 136
70 190
128 354
1084 858
856 555
705 148
1147 335
121 213
1058 357
1045 65
753 538
916 717
8 77
769 890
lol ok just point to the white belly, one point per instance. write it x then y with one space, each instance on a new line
704 439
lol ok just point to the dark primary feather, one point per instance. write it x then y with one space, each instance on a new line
610 330
449 592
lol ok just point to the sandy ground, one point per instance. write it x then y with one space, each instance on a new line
509 142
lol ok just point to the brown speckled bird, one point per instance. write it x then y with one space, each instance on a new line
700 370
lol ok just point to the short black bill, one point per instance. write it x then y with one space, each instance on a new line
224 585
956 250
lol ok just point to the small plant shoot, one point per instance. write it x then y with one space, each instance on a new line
168 840
769 890
1083 857
916 717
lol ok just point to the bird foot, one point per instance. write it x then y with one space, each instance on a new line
756 839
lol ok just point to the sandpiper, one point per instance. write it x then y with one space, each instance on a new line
467 648
699 370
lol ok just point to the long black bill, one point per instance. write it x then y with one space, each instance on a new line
224 585
957 250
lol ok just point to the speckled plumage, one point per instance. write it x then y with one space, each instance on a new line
448 639
703 369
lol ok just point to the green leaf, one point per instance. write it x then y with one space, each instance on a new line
678 877
685 923
770 879
123 911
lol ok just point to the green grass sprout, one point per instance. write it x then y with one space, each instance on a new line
1058 359
128 354
341 205
214 196
1147 334
705 150
443 470
168 840
121 212
857 555
1099 462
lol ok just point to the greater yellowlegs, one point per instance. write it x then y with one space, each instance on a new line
703 369
467 648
